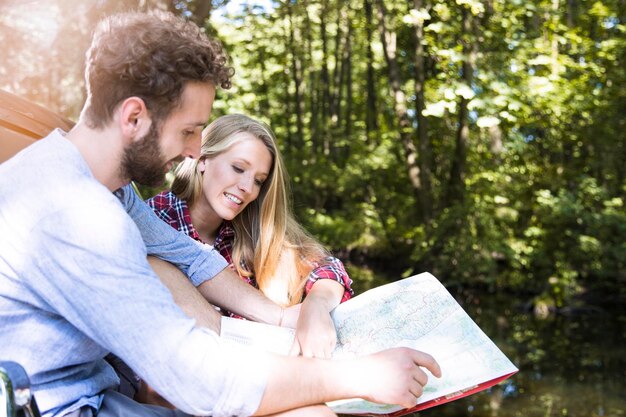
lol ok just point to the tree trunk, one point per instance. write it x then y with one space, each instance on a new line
313 83
335 98
423 141
325 79
456 185
201 11
264 104
554 42
344 63
495 138
296 70
388 40
347 64
371 119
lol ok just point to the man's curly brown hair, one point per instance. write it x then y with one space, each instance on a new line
151 56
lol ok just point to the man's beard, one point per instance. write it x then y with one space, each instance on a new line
143 162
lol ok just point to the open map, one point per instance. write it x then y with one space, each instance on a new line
416 312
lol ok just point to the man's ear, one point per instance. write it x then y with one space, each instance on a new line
134 119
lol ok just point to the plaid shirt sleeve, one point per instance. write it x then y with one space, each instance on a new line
333 269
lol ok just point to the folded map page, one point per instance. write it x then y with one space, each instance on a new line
257 335
416 312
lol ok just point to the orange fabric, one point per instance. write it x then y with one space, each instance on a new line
23 122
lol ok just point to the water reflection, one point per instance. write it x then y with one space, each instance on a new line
570 365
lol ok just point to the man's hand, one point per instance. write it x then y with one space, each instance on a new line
395 376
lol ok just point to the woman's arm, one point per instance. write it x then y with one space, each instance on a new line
327 285
332 269
315 330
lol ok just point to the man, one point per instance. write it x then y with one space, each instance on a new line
74 280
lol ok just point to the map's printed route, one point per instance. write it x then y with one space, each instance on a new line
417 312
407 310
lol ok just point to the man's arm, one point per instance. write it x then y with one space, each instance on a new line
186 295
225 290
229 291
392 376
117 304
198 262
202 265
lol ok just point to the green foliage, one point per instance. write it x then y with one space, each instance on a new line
581 236
541 207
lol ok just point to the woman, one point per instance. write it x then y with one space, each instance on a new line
236 197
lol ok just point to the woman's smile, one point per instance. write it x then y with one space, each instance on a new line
233 179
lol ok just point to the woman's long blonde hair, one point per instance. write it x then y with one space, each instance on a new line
267 237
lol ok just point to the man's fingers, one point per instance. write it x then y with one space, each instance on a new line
416 390
421 377
428 362
410 399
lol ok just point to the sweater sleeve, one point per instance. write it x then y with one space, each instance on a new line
198 261
104 287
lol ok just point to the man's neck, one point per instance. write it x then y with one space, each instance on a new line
103 150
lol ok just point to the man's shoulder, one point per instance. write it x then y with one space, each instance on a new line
53 162
81 205
49 178
49 159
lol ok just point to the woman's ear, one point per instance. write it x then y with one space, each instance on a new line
202 165
134 119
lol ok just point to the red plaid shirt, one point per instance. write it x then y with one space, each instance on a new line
175 212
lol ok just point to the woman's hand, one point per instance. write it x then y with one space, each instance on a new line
315 330
290 316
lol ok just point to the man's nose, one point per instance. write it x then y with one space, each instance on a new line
192 150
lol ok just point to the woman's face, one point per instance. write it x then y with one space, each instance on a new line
233 179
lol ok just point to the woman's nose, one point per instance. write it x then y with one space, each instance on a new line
246 184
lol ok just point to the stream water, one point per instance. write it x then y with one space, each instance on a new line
570 365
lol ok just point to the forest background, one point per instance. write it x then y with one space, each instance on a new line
481 140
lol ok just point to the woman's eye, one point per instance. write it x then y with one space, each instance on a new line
237 169
188 132
258 182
